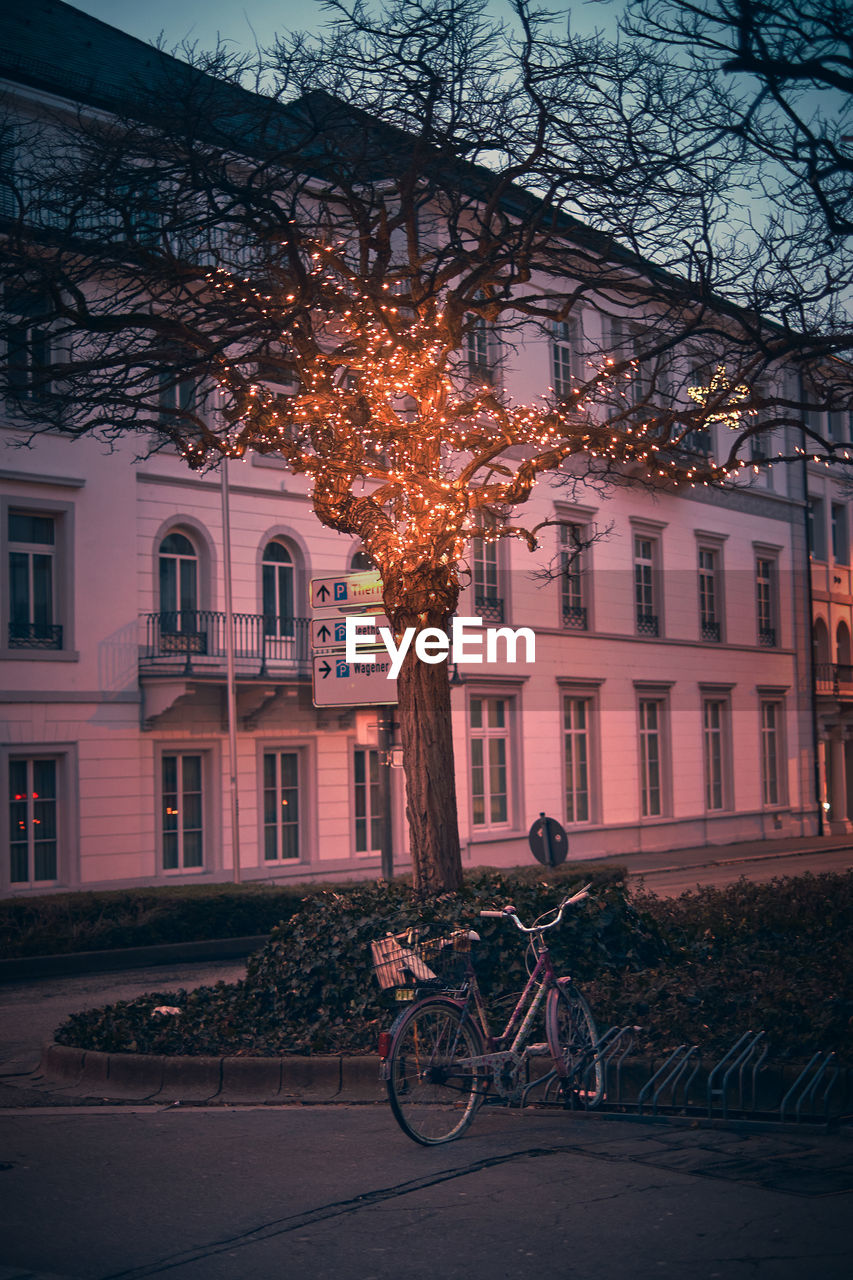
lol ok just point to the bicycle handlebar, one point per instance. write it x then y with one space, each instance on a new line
509 912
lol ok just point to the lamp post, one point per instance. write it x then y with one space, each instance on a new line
231 684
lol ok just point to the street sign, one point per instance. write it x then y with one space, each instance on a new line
338 683
347 591
548 841
330 633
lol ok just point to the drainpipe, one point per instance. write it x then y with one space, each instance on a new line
385 716
810 671
231 684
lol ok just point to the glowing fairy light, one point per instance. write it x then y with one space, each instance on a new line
725 398
402 448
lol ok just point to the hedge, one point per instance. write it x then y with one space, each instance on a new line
698 969
60 923
312 989
776 957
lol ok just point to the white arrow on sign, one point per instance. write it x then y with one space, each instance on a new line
330 633
347 591
338 683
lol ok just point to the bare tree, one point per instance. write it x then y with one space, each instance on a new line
785 72
336 276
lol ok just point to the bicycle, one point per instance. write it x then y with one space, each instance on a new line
440 1058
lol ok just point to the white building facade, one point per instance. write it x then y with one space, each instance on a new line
669 703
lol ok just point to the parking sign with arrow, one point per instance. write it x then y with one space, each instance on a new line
338 683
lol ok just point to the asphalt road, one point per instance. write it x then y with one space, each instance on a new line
31 1011
338 1193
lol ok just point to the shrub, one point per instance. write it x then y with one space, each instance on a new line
775 957
312 989
58 923
699 969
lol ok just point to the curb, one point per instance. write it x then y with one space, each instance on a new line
144 1077
294 1078
75 962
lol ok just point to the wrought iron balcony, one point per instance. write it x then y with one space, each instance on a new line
834 679
192 641
647 624
34 635
574 617
488 607
710 629
767 637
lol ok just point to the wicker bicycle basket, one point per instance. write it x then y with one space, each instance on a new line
404 963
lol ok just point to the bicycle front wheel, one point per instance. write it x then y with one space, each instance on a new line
434 1086
572 1039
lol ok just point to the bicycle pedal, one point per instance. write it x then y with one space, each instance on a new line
538 1051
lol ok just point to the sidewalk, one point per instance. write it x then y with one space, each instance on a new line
672 871
709 855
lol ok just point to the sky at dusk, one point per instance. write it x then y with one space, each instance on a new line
257 21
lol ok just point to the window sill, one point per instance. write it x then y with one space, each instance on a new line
39 655
481 836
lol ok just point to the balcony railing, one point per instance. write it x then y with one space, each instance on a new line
834 678
193 642
647 624
574 617
34 635
767 637
488 607
710 629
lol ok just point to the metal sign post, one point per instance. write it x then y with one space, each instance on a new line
386 735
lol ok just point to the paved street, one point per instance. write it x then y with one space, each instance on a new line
338 1193
31 1010
96 1191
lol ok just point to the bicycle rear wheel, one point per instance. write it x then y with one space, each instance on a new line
572 1038
433 1087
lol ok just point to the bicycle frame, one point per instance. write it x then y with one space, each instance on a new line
512 1039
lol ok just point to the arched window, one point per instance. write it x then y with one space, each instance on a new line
842 648
178 584
277 589
360 561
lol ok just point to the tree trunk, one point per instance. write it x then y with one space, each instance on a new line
425 727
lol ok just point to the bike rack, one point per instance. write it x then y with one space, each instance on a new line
670 1075
612 1049
747 1055
741 1088
805 1086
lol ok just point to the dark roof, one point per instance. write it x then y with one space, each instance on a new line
53 46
